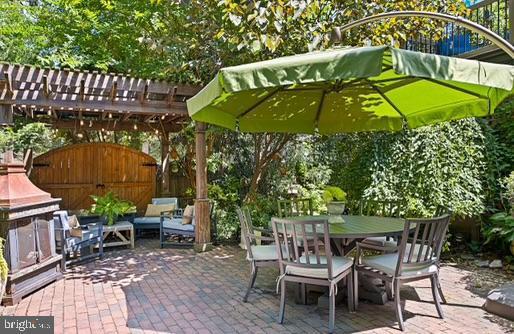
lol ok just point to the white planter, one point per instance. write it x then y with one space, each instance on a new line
335 208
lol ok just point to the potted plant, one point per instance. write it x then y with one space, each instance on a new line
4 269
111 207
501 228
335 199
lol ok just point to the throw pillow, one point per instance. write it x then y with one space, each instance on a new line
154 210
188 215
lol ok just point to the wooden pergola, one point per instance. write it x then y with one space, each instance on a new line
95 101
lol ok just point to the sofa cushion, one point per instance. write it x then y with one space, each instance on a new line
165 200
147 220
154 210
176 224
188 215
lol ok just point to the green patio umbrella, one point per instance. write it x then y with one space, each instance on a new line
351 89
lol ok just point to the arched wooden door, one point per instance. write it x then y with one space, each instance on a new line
75 172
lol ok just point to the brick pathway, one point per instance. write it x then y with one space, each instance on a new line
177 291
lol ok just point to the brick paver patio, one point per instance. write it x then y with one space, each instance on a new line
177 291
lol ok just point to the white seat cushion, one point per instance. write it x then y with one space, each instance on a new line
339 264
380 241
387 264
264 253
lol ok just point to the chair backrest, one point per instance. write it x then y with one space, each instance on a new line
289 237
381 208
61 220
295 207
247 233
426 237
165 200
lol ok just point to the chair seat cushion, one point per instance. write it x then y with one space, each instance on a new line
263 252
339 264
387 264
176 224
380 241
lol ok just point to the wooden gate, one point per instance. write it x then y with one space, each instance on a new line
75 172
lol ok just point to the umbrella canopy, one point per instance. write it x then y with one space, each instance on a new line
351 89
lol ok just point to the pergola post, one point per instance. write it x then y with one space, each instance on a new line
165 161
202 210
6 114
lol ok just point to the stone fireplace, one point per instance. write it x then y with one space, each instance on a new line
27 225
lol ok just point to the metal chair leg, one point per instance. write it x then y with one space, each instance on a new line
251 283
398 307
440 290
349 290
331 312
355 289
282 302
389 290
435 294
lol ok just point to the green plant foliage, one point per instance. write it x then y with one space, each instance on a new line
509 190
500 230
22 136
332 193
430 166
4 268
111 207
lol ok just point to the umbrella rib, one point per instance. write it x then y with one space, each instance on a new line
388 101
320 107
259 102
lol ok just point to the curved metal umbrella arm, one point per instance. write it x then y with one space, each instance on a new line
475 27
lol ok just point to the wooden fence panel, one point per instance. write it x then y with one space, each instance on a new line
75 172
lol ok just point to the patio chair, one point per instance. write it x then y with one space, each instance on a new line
314 267
171 223
266 234
258 255
382 209
82 248
417 258
295 207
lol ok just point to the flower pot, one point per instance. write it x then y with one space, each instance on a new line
335 208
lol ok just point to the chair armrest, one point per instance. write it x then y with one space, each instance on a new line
264 230
178 213
96 230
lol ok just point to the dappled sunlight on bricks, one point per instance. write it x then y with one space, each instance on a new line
152 290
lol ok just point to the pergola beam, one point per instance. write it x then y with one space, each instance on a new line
148 108
98 125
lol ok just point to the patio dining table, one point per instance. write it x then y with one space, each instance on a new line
355 228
